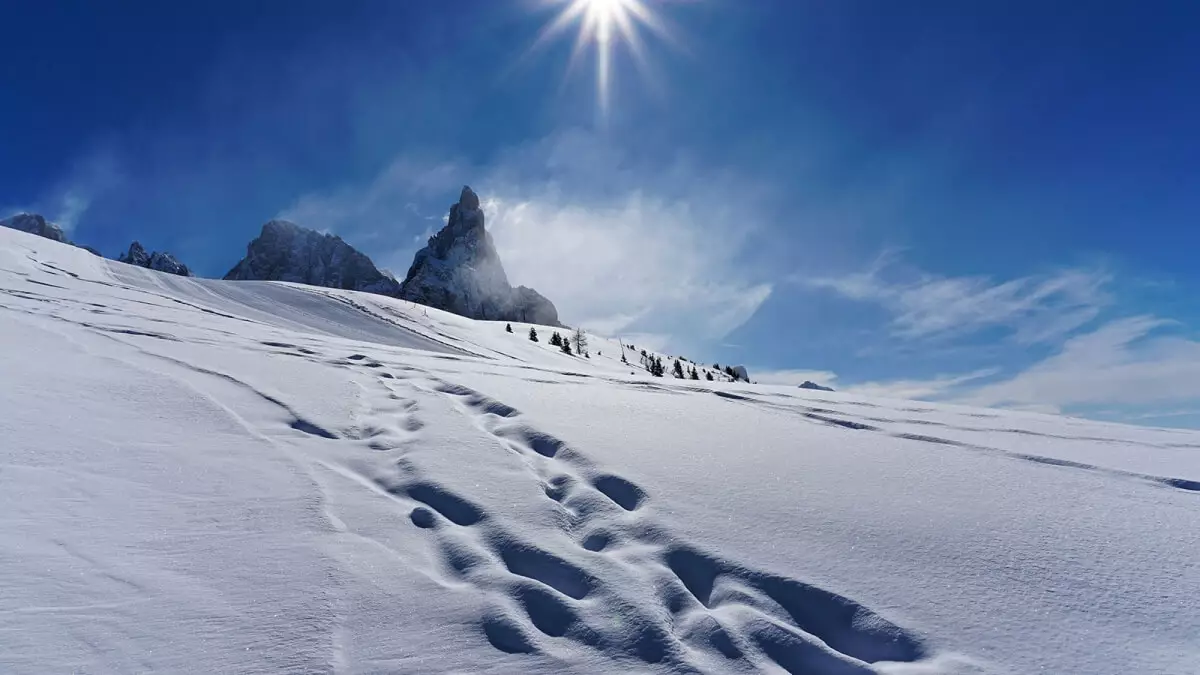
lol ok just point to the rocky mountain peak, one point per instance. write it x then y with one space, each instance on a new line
136 255
285 251
35 224
468 200
460 271
160 261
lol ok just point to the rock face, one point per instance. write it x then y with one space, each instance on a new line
285 251
739 373
163 262
35 224
460 272
809 384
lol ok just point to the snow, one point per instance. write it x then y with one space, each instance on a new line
254 477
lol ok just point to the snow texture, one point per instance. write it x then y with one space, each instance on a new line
199 476
460 272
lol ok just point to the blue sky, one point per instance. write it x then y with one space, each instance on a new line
991 203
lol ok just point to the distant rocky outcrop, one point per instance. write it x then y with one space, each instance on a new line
38 225
35 224
809 384
285 251
460 272
739 373
162 262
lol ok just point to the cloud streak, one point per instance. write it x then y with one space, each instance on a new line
931 389
88 179
1034 309
1127 362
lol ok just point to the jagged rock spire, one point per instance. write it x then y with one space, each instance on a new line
460 271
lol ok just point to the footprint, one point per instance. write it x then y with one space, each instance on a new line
717 606
450 506
623 493
423 518
534 563
558 487
697 572
549 612
597 541
542 443
798 654
506 634
841 623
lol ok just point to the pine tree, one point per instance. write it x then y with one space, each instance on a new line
580 340
555 339
656 368
695 375
708 376
729 372
508 327
533 334
678 368
565 345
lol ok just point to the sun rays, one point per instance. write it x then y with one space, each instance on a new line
603 24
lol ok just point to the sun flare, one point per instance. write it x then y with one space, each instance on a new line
602 24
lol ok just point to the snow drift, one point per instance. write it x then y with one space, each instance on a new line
262 477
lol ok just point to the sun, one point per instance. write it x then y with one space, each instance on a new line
603 24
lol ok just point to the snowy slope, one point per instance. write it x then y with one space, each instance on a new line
255 477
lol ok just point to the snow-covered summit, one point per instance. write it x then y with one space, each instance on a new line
35 224
285 251
460 272
160 261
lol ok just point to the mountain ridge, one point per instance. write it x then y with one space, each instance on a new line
285 251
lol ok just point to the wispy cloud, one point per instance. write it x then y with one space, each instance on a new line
794 377
383 203
931 389
1035 309
89 178
1125 362
620 248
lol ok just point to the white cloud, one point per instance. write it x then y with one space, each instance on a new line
1036 309
636 260
794 377
932 389
1121 363
618 247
